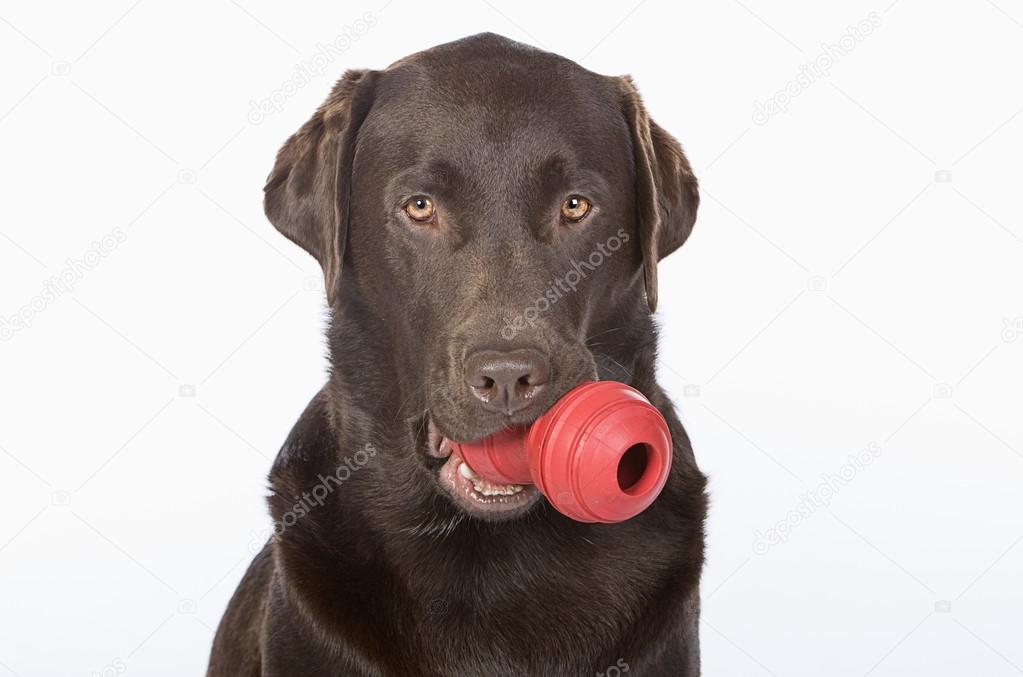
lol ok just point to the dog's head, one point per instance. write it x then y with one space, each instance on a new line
499 212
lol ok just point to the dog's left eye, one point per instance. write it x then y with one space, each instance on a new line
575 208
419 208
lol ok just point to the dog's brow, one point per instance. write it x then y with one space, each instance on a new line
556 173
432 177
590 180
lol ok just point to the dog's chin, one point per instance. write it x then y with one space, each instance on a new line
472 494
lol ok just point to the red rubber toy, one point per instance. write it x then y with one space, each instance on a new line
602 453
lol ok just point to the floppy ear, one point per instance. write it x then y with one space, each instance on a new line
666 190
306 196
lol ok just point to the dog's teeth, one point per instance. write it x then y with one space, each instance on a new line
485 488
465 471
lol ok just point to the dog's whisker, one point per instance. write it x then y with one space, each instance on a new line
602 333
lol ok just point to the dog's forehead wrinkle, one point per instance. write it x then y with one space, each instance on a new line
497 102
494 143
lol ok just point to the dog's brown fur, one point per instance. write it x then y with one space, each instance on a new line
385 575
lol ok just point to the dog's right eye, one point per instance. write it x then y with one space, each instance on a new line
575 208
420 208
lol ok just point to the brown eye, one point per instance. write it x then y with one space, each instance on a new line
575 208
419 208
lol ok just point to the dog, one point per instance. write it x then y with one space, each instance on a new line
456 202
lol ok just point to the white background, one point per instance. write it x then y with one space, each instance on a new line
854 279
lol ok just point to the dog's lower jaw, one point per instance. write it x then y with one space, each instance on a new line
475 496
471 497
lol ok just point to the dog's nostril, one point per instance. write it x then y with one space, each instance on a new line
506 381
527 386
479 381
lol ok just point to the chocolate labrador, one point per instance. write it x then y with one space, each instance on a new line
489 218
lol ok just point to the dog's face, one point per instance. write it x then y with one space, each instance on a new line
496 207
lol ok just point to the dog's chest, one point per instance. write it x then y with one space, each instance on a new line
454 638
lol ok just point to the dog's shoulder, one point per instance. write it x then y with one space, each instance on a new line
306 450
236 647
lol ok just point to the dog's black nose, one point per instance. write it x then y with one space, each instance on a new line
506 382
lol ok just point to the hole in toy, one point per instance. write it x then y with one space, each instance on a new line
631 467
